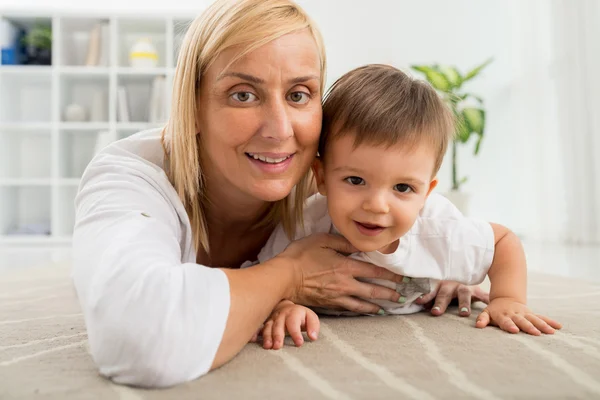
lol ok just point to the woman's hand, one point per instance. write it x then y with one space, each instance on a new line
326 278
448 290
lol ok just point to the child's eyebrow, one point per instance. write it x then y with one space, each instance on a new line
400 179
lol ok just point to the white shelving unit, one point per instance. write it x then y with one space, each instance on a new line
42 157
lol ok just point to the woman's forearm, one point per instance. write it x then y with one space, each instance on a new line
254 292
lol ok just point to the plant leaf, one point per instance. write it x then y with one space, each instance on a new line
479 139
475 119
463 132
434 76
475 71
452 75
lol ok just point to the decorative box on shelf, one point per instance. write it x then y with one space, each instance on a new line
54 118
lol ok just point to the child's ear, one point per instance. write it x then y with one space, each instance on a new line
319 172
432 186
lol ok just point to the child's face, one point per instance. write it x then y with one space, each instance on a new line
374 194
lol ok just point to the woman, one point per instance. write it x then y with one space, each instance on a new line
164 219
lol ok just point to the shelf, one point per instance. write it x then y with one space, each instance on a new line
25 209
83 126
25 154
44 149
76 149
84 71
25 182
26 98
26 70
88 93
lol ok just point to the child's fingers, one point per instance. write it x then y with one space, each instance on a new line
550 321
540 324
267 335
483 319
313 325
279 331
507 324
293 323
526 325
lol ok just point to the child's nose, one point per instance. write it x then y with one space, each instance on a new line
376 203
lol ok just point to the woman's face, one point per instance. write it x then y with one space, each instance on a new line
260 119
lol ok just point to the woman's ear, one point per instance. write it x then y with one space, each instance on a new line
319 171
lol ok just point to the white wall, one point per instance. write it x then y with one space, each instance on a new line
403 32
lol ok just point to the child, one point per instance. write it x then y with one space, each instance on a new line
383 139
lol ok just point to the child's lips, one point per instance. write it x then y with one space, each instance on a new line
369 229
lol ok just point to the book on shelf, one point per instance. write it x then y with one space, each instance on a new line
157 105
122 105
98 45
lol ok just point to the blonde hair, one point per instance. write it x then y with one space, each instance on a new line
381 105
248 24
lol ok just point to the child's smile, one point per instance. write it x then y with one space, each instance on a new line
375 193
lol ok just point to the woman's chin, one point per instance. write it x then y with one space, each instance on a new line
272 192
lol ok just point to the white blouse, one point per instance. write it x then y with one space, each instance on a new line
154 317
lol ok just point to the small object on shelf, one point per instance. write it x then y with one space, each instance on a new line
75 113
143 54
93 52
98 109
41 228
122 105
157 101
8 43
38 42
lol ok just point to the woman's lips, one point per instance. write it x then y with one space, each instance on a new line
271 163
369 229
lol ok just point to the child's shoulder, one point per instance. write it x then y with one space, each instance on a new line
438 206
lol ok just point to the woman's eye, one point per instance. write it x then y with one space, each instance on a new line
244 97
355 180
402 188
299 97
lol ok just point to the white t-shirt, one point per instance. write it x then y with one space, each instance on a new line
154 317
441 245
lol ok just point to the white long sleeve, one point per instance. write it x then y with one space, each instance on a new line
154 317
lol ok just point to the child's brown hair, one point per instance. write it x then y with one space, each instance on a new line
381 105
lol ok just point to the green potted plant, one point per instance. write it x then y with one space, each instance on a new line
38 44
468 110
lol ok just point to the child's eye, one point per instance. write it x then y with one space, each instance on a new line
403 188
243 97
355 180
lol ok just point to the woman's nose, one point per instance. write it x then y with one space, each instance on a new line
376 203
278 124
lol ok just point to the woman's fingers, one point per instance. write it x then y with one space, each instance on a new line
443 299
358 306
361 269
336 242
279 331
267 335
428 297
372 291
464 300
294 323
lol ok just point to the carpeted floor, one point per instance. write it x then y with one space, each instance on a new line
43 353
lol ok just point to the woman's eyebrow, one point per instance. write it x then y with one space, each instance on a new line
258 81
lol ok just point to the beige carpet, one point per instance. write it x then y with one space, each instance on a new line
43 353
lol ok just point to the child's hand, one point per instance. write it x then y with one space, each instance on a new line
512 316
292 318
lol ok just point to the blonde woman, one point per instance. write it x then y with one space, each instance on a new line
165 218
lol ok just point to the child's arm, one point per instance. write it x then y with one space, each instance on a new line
508 294
293 318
